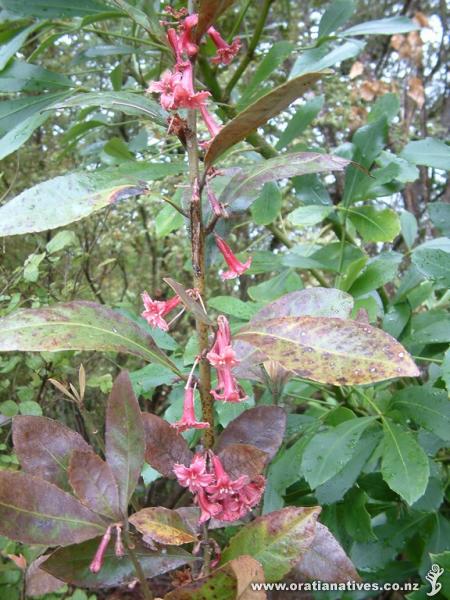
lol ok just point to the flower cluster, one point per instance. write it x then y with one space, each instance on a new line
216 494
176 86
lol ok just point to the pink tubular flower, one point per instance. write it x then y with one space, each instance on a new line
97 561
208 509
166 86
188 420
210 122
156 310
187 43
224 486
184 94
236 268
194 477
225 52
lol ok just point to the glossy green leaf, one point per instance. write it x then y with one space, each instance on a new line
167 220
277 540
328 452
71 564
378 271
336 15
22 76
323 58
68 198
267 206
387 106
426 406
409 227
78 326
258 113
8 49
404 465
47 9
429 152
440 216
34 511
307 216
433 263
287 281
388 26
375 225
330 350
229 305
303 116
244 186
162 525
44 448
124 438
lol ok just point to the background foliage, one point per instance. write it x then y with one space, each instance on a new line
383 239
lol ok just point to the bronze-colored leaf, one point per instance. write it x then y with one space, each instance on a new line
258 113
262 427
243 459
38 582
44 447
162 525
231 581
164 446
208 12
94 484
34 511
325 560
188 301
330 350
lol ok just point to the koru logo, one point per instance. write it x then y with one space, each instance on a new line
432 576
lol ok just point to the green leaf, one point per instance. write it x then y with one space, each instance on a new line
387 106
330 350
168 219
429 152
61 240
375 225
378 271
78 326
68 198
8 49
271 61
267 206
338 13
304 115
48 9
426 406
388 26
404 464
287 281
162 525
243 188
323 58
409 227
433 263
124 438
440 215
71 564
328 452
34 511
9 408
44 447
21 76
233 306
258 113
306 216
30 408
357 520
126 102
277 540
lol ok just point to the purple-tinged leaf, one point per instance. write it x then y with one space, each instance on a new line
277 540
262 427
325 560
208 12
44 447
94 484
78 326
164 446
330 350
124 438
243 459
71 564
229 581
34 511
162 525
258 113
246 184
188 301
38 582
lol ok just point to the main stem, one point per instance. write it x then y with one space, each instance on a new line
137 565
198 266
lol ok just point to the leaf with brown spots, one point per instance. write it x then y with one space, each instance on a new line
78 326
164 446
229 582
208 12
330 350
94 484
162 525
325 560
262 427
258 113
243 459
44 447
277 540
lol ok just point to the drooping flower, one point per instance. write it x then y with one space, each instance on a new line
195 477
188 420
211 124
187 43
224 486
156 310
97 561
225 51
208 509
236 268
